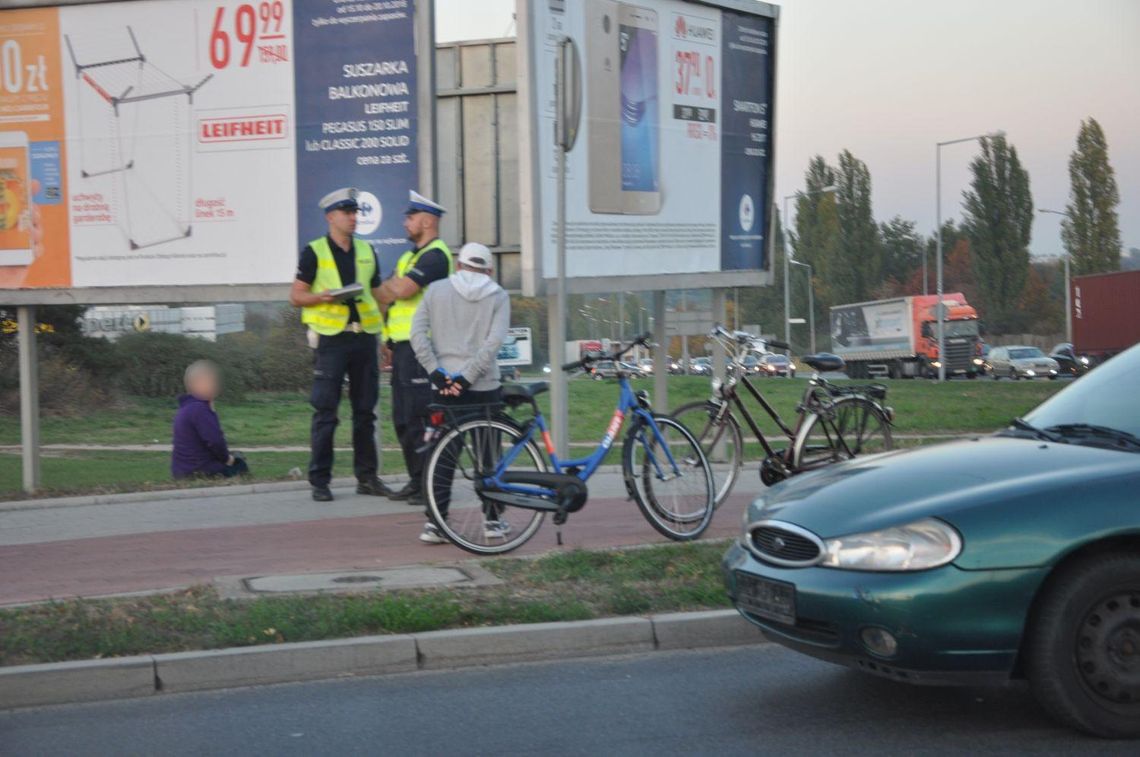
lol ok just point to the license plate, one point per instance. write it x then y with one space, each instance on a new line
771 600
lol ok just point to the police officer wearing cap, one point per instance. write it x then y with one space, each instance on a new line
346 334
429 260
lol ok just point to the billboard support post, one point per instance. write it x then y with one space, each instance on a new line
29 398
566 68
660 354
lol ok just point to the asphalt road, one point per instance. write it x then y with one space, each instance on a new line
755 700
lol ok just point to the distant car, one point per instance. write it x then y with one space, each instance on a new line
1018 361
751 364
509 373
604 369
1068 361
675 367
980 359
645 365
777 365
546 368
979 560
700 366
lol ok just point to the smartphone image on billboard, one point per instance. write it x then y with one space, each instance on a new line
15 200
603 103
640 106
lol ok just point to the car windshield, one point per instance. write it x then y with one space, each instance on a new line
776 359
702 361
1108 396
1025 353
959 328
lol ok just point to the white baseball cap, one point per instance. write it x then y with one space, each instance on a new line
476 255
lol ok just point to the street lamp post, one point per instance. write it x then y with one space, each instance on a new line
811 303
787 291
1068 294
938 245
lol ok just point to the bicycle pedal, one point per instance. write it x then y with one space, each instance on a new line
560 518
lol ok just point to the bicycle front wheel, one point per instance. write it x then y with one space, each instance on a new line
721 440
670 478
465 454
844 428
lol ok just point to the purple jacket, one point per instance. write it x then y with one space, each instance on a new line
199 444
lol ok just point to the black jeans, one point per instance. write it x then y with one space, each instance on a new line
353 355
485 444
411 395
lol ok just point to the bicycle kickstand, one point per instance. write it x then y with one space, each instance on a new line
560 516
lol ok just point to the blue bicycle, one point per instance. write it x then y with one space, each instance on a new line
488 484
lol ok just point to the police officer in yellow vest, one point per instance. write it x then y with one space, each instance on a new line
429 260
346 331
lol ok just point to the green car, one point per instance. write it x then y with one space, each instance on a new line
1010 556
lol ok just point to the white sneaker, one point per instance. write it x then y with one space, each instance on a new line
432 534
496 529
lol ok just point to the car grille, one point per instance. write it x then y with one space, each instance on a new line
784 546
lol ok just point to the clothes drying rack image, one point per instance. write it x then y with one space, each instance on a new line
140 150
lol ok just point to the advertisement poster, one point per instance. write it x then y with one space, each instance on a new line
671 168
187 142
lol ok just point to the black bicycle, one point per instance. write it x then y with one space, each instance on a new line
834 422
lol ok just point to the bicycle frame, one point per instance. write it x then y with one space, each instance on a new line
584 467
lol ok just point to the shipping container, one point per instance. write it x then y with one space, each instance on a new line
1106 313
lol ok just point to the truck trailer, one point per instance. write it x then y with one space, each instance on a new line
1105 313
898 338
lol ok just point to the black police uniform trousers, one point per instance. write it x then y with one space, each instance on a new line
354 355
411 395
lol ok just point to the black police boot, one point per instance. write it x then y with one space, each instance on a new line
408 491
373 487
322 494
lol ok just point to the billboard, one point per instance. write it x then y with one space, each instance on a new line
187 142
517 348
669 180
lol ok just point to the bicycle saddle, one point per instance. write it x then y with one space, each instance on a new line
824 362
516 393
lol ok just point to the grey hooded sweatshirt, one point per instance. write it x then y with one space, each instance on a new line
460 326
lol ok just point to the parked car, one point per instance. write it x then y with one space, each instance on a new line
1018 361
980 560
700 366
1069 363
777 365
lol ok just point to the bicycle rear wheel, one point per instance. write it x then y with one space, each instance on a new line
722 442
464 454
846 427
670 479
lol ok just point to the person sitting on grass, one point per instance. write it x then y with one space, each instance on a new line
199 444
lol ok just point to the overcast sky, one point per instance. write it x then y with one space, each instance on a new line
887 79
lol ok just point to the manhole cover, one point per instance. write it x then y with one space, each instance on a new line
395 578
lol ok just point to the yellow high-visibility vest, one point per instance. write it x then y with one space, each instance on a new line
401 312
329 318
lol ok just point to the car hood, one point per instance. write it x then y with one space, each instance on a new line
1030 361
899 487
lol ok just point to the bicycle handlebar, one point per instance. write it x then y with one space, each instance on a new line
741 338
585 360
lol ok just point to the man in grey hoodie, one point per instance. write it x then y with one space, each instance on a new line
457 332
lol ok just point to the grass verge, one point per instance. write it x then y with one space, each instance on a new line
576 585
282 419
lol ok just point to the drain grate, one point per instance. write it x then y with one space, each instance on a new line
357 579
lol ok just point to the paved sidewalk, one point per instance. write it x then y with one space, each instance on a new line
98 549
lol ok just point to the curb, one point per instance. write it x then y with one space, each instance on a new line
132 677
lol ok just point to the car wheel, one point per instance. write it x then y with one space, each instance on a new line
599 377
1082 651
1013 375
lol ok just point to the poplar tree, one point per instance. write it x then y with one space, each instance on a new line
1091 231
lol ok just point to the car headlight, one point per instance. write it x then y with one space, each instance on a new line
977 361
924 544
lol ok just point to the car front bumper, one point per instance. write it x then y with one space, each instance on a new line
952 626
